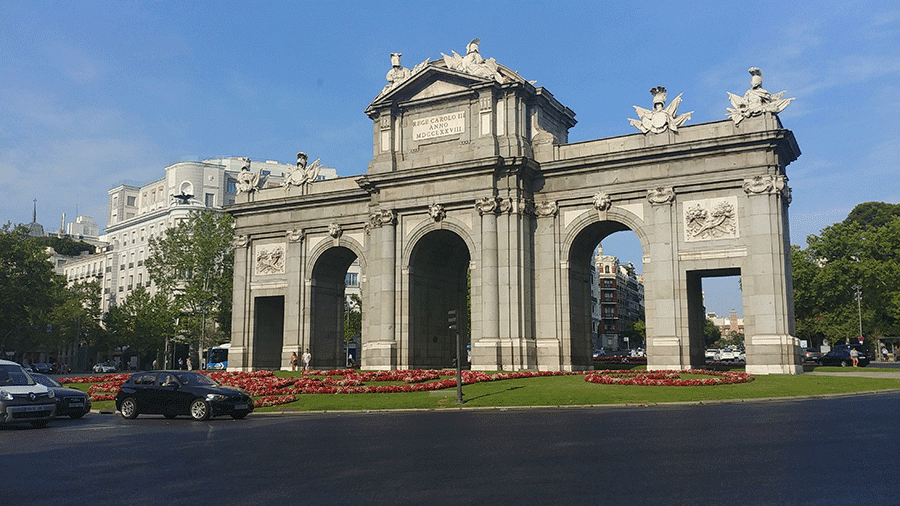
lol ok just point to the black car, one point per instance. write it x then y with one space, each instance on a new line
42 368
173 393
840 355
69 401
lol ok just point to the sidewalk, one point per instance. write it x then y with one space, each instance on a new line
860 372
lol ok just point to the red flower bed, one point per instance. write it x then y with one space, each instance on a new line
271 390
667 378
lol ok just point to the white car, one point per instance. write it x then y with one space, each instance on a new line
712 354
104 368
22 400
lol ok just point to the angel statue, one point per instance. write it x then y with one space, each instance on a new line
661 117
247 181
302 174
756 101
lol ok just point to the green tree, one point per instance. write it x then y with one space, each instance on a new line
143 322
76 319
636 332
711 333
29 290
193 263
863 251
352 316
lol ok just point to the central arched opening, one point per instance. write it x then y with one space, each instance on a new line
606 297
331 281
438 283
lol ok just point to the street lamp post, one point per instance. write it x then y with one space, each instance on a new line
858 289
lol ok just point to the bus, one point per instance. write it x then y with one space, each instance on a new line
217 357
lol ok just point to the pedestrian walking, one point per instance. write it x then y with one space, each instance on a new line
307 358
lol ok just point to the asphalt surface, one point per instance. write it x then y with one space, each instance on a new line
840 450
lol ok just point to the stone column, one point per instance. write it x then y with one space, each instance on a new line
767 285
663 291
546 287
238 356
486 352
294 297
381 351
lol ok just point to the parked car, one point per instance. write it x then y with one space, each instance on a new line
42 368
727 355
22 400
712 354
104 368
173 393
809 355
840 355
69 401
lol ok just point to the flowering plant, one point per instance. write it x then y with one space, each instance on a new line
667 378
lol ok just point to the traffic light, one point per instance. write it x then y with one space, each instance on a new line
451 320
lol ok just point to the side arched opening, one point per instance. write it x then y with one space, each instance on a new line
438 283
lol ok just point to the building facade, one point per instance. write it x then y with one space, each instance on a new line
138 212
617 300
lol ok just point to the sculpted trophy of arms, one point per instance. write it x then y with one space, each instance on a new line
756 100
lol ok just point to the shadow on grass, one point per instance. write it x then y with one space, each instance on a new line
492 393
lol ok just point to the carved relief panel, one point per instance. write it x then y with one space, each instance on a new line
269 259
709 219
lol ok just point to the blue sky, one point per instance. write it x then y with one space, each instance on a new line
94 93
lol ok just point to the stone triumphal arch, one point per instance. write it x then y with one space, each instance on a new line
474 198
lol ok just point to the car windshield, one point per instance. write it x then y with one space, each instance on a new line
13 375
45 380
195 378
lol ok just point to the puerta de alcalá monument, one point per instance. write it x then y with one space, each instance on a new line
475 201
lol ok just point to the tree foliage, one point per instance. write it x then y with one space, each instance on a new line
65 245
711 333
76 318
29 290
193 264
143 322
352 316
864 251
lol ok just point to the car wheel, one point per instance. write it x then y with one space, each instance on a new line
239 415
39 424
199 409
129 408
844 363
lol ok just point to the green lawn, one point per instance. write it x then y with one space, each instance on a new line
573 390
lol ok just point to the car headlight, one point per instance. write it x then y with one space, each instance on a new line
215 397
6 396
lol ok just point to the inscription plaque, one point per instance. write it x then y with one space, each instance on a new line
439 126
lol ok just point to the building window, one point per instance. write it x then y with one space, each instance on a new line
232 186
210 199
131 200
351 279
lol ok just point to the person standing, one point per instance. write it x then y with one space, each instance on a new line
293 360
307 358
854 356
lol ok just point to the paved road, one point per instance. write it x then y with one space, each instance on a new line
821 451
